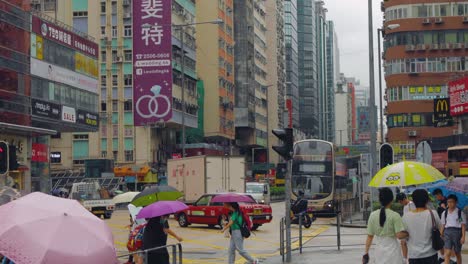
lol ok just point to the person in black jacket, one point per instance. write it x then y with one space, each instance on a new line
441 200
155 235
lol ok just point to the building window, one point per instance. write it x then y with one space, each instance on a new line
50 5
103 7
128 131
128 79
56 157
58 135
103 80
80 137
115 153
103 154
78 162
127 31
103 56
103 130
129 155
115 131
128 105
80 14
115 105
114 31
127 55
103 107
103 31
115 80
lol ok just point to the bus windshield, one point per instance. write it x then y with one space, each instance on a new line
312 171
458 155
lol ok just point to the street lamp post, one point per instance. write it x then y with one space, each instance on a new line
182 69
382 31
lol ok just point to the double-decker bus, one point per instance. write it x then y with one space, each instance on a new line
313 173
457 164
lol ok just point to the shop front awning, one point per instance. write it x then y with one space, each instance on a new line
25 130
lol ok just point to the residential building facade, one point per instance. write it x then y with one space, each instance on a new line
215 66
251 77
277 72
343 115
422 55
118 138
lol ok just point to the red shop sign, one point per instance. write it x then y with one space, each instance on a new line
39 153
458 91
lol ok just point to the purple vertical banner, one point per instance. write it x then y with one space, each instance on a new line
152 61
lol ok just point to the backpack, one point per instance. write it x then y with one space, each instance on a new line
460 219
246 226
135 239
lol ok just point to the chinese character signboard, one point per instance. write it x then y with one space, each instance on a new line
152 61
64 37
442 117
39 152
458 91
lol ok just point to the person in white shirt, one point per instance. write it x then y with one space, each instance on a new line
453 229
407 206
419 225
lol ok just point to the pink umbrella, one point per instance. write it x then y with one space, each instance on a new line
232 198
161 208
39 228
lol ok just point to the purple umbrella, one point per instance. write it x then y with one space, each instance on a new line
161 208
232 198
458 185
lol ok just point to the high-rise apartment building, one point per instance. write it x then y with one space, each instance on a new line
424 49
308 68
118 138
215 65
251 76
321 40
277 71
292 61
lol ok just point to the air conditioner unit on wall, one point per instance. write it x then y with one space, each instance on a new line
455 132
439 20
409 47
412 133
458 45
426 21
465 19
434 46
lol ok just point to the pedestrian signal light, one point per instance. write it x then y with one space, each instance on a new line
386 155
285 135
3 157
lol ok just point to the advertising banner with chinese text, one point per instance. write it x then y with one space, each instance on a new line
152 61
458 91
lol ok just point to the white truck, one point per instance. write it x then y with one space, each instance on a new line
260 191
195 176
93 198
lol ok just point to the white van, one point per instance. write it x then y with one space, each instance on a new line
259 191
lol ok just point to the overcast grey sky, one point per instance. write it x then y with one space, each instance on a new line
351 26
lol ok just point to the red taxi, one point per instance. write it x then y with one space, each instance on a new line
205 212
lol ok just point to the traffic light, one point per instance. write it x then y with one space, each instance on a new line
386 155
3 157
285 135
12 159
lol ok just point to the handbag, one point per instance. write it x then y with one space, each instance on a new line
437 241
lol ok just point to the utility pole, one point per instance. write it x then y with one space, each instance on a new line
373 143
286 136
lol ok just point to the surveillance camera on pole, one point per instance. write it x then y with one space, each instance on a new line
286 137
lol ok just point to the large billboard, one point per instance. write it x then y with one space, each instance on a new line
62 75
458 91
64 37
152 61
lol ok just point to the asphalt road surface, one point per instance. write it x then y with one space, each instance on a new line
208 245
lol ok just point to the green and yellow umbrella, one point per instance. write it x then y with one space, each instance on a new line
155 194
406 173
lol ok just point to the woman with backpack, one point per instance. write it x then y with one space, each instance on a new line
237 240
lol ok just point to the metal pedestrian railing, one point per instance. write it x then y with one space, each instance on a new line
301 246
176 253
